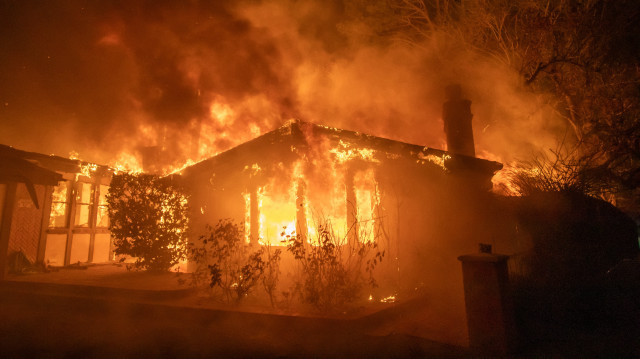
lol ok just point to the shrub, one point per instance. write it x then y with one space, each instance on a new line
148 220
332 273
226 262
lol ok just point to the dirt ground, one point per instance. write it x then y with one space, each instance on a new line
107 311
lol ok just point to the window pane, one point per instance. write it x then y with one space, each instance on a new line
103 217
84 193
58 217
59 206
60 192
103 195
82 215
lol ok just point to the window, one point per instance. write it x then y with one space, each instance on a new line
84 201
103 212
59 206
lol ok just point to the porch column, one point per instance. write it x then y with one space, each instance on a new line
301 212
352 208
254 216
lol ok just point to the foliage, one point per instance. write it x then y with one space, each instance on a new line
271 273
225 261
333 273
579 57
558 173
148 220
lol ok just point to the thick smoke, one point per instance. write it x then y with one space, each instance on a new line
195 78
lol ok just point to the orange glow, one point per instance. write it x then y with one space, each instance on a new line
126 162
312 191
367 199
277 215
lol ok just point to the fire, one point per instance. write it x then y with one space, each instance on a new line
320 188
367 199
86 169
126 162
345 152
437 160
277 215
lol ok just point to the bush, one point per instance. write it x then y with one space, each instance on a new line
226 262
332 273
148 220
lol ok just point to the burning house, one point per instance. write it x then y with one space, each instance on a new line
53 209
423 207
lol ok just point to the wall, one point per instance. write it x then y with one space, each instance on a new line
26 223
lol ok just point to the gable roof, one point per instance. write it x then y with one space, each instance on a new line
297 133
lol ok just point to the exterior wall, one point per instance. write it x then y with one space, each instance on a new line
27 223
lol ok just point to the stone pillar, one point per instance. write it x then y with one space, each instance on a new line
490 316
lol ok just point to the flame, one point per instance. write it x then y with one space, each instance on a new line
437 160
312 191
366 199
126 162
277 215
87 169
502 180
345 152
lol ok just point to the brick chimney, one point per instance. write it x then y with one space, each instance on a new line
456 114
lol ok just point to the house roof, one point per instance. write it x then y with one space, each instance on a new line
296 132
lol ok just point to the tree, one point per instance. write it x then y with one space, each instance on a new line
580 57
148 220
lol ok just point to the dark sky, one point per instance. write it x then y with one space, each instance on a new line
104 78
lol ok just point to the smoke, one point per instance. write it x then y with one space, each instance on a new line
195 78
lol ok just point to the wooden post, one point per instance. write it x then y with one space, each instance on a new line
352 209
254 216
93 216
5 225
301 212
71 192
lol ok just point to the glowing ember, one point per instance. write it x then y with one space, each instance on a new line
345 152
437 160
389 299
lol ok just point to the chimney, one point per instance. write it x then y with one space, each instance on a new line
456 114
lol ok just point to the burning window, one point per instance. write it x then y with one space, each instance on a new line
84 200
298 207
278 214
366 202
102 220
59 206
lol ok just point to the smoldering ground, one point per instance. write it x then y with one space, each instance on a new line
108 78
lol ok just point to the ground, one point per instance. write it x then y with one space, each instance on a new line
107 311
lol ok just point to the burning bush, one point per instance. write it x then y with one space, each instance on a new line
148 220
224 260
